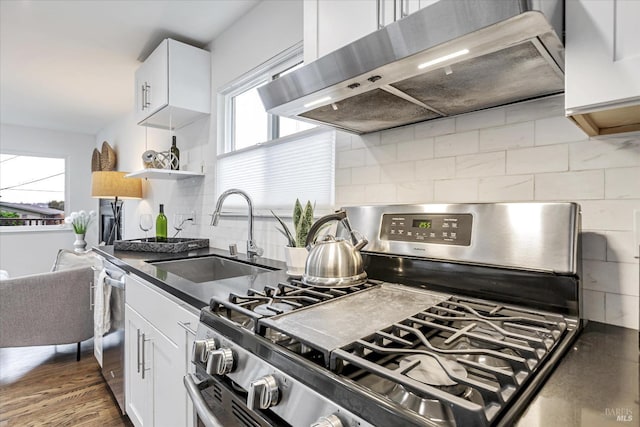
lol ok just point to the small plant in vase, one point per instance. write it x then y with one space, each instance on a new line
295 251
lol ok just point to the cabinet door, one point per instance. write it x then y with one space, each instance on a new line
602 53
138 387
152 83
167 371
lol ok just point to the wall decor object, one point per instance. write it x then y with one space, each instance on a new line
160 160
104 160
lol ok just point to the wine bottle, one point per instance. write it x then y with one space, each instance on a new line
161 226
175 155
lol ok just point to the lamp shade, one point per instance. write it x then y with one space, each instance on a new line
110 184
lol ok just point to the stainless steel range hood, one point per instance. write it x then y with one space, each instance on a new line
452 57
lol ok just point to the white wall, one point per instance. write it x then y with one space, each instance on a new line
27 252
524 152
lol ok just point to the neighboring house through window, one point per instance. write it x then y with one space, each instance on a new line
32 190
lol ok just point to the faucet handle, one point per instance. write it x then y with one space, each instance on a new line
253 249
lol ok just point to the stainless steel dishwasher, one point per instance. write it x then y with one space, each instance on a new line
113 338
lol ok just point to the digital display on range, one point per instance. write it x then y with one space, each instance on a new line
431 228
421 223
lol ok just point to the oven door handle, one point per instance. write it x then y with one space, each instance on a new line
207 417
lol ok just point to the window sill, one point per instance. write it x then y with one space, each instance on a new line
33 229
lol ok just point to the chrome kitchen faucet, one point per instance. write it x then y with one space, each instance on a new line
252 248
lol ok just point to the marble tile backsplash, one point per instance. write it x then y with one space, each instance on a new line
524 152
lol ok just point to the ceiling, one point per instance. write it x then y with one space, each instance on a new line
69 65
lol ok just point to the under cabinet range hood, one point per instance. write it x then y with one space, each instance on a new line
452 57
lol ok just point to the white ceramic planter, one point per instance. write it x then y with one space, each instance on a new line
80 244
296 259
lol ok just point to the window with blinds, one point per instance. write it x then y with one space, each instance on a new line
275 174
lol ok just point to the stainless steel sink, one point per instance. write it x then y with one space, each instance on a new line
208 269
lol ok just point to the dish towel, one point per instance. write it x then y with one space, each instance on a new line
102 310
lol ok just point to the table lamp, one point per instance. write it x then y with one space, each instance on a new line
114 184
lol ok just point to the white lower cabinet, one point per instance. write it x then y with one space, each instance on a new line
157 357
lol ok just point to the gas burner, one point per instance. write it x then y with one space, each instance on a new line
432 409
432 370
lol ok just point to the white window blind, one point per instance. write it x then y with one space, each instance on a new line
275 174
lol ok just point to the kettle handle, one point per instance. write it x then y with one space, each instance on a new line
311 237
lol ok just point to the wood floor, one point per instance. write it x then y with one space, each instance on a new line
45 386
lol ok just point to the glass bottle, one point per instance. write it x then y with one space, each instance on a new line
175 155
161 226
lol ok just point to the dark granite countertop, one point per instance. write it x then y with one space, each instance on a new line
596 383
195 294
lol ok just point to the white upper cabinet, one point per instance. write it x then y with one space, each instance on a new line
331 24
602 65
173 86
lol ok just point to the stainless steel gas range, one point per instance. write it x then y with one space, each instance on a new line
467 310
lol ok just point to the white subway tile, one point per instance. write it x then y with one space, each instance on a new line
622 310
436 168
350 158
480 119
380 193
554 158
365 175
612 215
343 176
343 141
456 144
593 305
554 130
415 192
621 246
594 246
477 165
381 155
365 141
536 109
570 185
597 154
350 194
398 172
507 137
612 277
435 128
456 190
416 150
506 188
395 136
622 183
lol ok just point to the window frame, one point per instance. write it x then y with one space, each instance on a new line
265 72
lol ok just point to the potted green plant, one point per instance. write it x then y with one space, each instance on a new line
295 251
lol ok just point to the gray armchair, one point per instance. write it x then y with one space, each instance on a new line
49 308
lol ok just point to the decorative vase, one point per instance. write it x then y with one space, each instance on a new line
296 259
80 244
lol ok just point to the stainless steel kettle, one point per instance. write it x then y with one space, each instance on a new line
334 262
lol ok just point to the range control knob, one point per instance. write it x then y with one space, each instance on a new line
263 393
201 350
220 361
330 421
